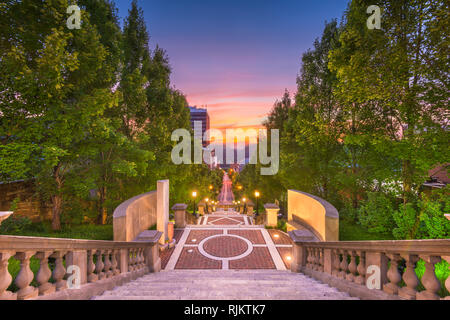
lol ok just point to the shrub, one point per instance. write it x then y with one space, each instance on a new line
376 213
405 219
15 224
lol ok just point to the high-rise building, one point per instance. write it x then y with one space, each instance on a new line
200 114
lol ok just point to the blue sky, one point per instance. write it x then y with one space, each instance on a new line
237 57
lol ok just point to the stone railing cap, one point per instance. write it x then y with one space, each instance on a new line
149 236
121 210
179 206
250 203
201 204
271 206
302 236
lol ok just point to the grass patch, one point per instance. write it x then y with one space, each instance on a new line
84 231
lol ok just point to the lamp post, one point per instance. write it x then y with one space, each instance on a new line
194 195
206 204
257 196
245 206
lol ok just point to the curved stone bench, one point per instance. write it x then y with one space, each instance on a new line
318 216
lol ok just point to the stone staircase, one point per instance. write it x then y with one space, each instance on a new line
224 285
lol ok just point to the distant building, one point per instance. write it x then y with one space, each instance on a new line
200 114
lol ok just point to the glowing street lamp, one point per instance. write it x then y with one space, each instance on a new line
194 195
257 196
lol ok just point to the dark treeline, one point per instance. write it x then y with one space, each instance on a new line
370 119
88 109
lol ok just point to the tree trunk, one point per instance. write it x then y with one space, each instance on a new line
56 212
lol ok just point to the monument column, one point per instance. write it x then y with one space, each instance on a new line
162 210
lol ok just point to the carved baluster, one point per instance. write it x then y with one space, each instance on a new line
131 261
313 258
409 277
44 274
59 272
141 254
447 282
361 278
321 260
336 263
99 265
310 258
114 264
317 259
107 267
91 276
25 277
344 265
352 267
393 274
5 277
429 279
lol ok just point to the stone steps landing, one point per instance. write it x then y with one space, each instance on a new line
224 285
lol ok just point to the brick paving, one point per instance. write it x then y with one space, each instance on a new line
259 259
282 238
191 258
240 246
225 247
285 254
166 254
199 235
226 221
254 236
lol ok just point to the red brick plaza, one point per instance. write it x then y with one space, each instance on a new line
227 240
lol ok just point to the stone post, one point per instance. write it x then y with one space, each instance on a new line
379 260
327 261
271 214
298 257
123 260
78 258
152 258
201 208
162 211
180 215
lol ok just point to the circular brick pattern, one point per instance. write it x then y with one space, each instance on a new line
225 246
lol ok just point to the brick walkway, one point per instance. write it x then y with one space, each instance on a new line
229 242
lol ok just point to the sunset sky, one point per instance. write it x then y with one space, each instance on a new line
235 56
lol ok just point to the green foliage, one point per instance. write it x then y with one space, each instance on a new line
15 225
376 213
425 218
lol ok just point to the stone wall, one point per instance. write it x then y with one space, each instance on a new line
134 216
314 212
30 205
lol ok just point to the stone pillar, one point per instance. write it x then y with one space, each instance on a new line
327 261
271 214
378 259
180 215
298 257
162 211
78 258
201 208
152 258
123 260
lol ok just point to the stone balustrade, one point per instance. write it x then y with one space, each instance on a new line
63 263
374 269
